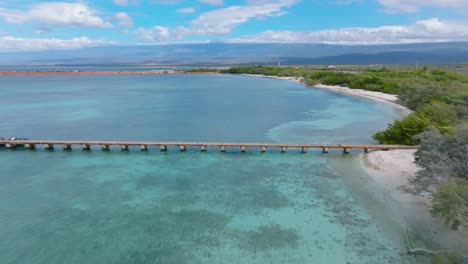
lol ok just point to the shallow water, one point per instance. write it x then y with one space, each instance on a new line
153 207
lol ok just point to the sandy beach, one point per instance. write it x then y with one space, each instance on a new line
392 171
391 99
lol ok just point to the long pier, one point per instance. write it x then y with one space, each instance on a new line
182 146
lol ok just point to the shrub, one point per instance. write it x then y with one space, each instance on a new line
403 131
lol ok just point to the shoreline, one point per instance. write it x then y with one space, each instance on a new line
294 79
391 171
390 99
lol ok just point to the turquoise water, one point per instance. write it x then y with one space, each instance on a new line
191 207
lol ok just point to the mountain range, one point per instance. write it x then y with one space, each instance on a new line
239 54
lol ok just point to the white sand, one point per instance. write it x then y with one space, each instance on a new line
377 96
390 99
392 170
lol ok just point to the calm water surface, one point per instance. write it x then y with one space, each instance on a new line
153 207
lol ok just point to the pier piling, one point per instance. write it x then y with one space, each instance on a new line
49 146
29 146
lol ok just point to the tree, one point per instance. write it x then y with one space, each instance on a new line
444 162
403 131
450 203
441 114
443 156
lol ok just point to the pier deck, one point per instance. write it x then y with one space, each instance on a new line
163 146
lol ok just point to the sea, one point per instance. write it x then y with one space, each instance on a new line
190 207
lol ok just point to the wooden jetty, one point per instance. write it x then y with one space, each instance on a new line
182 146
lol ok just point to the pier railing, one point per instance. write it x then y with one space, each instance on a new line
182 146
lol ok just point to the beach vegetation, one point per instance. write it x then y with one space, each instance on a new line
444 163
403 131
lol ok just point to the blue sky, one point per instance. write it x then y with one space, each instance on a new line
41 25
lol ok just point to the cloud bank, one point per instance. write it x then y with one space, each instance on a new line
429 30
56 13
412 6
8 44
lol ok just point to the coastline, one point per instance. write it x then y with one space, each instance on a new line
390 172
389 169
390 99
294 79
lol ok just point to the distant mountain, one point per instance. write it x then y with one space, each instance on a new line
232 54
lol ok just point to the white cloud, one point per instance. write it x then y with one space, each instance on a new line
218 22
157 34
121 2
56 13
212 2
430 30
411 6
186 10
9 44
123 19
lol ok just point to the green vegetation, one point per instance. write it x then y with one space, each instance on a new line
403 131
444 159
200 70
451 203
438 98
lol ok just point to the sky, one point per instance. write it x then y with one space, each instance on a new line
48 25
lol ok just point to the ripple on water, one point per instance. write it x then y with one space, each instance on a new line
134 207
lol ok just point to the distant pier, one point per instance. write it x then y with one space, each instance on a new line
183 146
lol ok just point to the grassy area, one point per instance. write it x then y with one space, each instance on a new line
438 97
